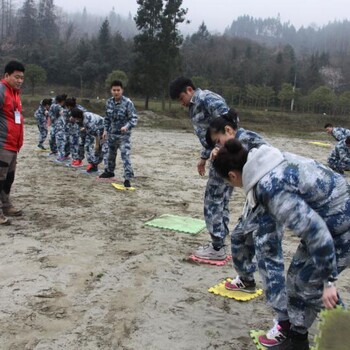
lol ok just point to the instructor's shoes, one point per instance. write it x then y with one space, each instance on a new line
11 211
294 341
208 252
274 337
106 175
4 220
238 285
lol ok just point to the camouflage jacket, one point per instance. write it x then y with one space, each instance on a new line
204 107
119 114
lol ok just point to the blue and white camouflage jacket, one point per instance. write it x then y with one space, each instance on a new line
305 196
341 155
40 115
204 107
57 115
93 124
340 133
119 114
249 139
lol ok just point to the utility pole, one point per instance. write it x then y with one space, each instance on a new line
294 86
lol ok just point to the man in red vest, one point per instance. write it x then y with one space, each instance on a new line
11 135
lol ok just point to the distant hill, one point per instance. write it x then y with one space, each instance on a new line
333 37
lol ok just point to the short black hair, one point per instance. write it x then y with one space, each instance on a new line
347 140
13 66
116 83
61 98
46 101
328 125
77 113
71 102
179 85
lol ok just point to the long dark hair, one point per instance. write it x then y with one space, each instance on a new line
232 156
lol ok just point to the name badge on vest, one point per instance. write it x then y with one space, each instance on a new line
17 117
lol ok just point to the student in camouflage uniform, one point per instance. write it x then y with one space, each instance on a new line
94 127
41 116
73 133
338 133
204 106
247 238
120 119
339 159
313 202
58 123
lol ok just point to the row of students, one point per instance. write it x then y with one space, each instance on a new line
75 131
283 190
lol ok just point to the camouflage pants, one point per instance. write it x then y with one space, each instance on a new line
98 151
335 163
260 236
305 285
42 126
52 140
122 142
85 142
60 138
72 140
216 208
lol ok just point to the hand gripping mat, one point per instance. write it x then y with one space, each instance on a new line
210 262
321 144
255 336
333 330
122 187
178 223
220 289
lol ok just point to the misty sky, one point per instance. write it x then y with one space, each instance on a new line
218 14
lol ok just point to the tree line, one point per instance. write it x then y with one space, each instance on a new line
255 63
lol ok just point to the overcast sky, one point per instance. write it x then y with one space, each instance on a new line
218 14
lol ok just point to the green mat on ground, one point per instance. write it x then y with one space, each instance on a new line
178 223
334 330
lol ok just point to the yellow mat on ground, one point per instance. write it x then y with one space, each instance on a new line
220 289
321 144
255 336
122 187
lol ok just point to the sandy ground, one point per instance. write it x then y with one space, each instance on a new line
80 270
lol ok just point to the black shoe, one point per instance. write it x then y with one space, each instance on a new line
294 341
106 175
92 169
41 146
127 183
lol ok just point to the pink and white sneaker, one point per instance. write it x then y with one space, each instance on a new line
275 336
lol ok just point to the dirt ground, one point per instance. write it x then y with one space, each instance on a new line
79 270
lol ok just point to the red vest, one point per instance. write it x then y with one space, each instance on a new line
11 134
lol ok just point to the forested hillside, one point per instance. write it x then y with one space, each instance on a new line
261 63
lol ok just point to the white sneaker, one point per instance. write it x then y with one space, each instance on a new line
209 253
275 336
238 285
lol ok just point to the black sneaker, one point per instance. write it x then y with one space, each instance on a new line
294 341
92 169
106 175
127 183
41 147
